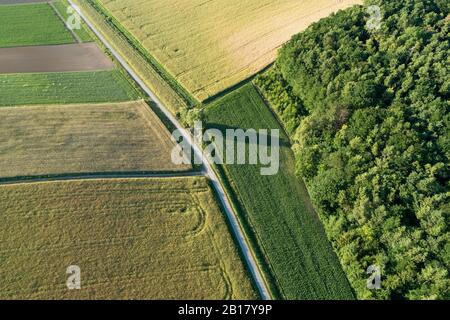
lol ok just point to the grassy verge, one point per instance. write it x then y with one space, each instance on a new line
67 87
277 209
31 24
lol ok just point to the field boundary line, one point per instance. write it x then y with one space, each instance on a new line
209 171
98 176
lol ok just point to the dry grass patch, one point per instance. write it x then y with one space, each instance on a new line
124 137
132 239
211 45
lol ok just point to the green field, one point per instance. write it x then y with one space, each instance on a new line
67 87
131 238
31 24
84 33
277 209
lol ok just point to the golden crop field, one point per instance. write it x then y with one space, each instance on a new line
131 238
122 137
210 45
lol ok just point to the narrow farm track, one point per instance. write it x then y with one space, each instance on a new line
97 176
209 171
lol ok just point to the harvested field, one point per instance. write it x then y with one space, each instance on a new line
69 57
276 210
210 45
43 140
131 238
65 87
32 24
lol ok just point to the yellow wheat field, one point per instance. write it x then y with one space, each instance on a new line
39 140
131 238
211 45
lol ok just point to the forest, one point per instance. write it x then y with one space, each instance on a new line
367 110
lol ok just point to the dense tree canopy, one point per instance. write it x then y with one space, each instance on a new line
368 111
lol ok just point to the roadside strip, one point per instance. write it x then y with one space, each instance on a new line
209 171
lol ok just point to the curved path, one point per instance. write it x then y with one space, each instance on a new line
209 171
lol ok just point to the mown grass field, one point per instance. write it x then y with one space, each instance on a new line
210 45
131 238
67 87
84 33
276 209
83 138
31 24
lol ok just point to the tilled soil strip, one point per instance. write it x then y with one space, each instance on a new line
55 58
